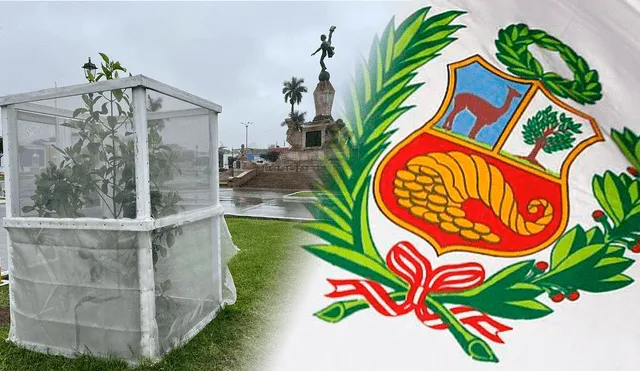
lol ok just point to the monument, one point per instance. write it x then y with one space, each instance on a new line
309 141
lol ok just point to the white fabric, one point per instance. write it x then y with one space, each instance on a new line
597 332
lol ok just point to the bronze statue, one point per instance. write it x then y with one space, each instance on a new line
325 46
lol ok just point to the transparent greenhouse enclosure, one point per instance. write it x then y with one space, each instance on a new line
117 239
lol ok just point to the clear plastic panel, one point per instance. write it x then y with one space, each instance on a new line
76 157
186 279
76 290
179 164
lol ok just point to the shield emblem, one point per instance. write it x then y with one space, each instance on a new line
489 173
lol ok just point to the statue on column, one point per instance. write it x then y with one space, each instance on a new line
326 48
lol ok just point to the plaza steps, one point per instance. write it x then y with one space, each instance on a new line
295 181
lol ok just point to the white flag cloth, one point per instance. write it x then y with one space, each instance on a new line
505 212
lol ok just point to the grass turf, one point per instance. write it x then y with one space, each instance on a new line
235 339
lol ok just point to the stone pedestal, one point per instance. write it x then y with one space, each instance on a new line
323 100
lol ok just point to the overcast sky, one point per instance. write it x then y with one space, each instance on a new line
236 54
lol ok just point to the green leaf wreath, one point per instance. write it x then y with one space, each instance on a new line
588 260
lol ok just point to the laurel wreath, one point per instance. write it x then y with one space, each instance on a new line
590 260
513 50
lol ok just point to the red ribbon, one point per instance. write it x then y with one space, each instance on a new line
405 261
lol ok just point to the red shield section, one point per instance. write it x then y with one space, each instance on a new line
525 185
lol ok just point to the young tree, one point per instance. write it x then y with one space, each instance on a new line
549 132
293 90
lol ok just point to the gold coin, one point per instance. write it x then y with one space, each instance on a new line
402 193
414 169
446 218
448 227
404 202
431 217
398 183
406 176
428 171
481 228
438 200
438 180
470 235
413 186
419 195
422 179
428 188
454 211
491 238
463 223
439 189
455 204
437 208
418 211
418 201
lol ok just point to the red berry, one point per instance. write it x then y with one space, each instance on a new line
632 170
574 296
636 248
598 215
557 297
542 266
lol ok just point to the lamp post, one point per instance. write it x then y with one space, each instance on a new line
89 70
246 135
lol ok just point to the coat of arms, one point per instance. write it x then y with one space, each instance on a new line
463 181
487 175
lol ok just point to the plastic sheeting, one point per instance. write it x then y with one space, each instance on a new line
78 291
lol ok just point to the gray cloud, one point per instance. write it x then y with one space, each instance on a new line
236 54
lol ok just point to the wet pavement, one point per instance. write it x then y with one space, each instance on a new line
268 204
250 203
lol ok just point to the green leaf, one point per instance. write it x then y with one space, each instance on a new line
627 227
609 284
112 121
617 251
358 264
616 196
329 233
572 240
104 58
505 294
78 112
609 267
572 269
594 236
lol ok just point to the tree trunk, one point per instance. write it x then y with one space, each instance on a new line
292 104
531 157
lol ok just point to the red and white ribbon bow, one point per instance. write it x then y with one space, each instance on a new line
405 261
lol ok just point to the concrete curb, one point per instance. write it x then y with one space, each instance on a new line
292 198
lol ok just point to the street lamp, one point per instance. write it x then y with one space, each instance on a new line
89 70
246 137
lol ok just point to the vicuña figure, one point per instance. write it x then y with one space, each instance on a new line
485 113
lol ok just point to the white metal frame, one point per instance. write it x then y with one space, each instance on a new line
22 107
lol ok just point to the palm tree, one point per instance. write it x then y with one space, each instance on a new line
293 90
155 105
298 119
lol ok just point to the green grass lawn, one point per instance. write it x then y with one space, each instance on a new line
235 339
525 162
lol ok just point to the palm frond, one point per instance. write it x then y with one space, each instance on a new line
381 86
